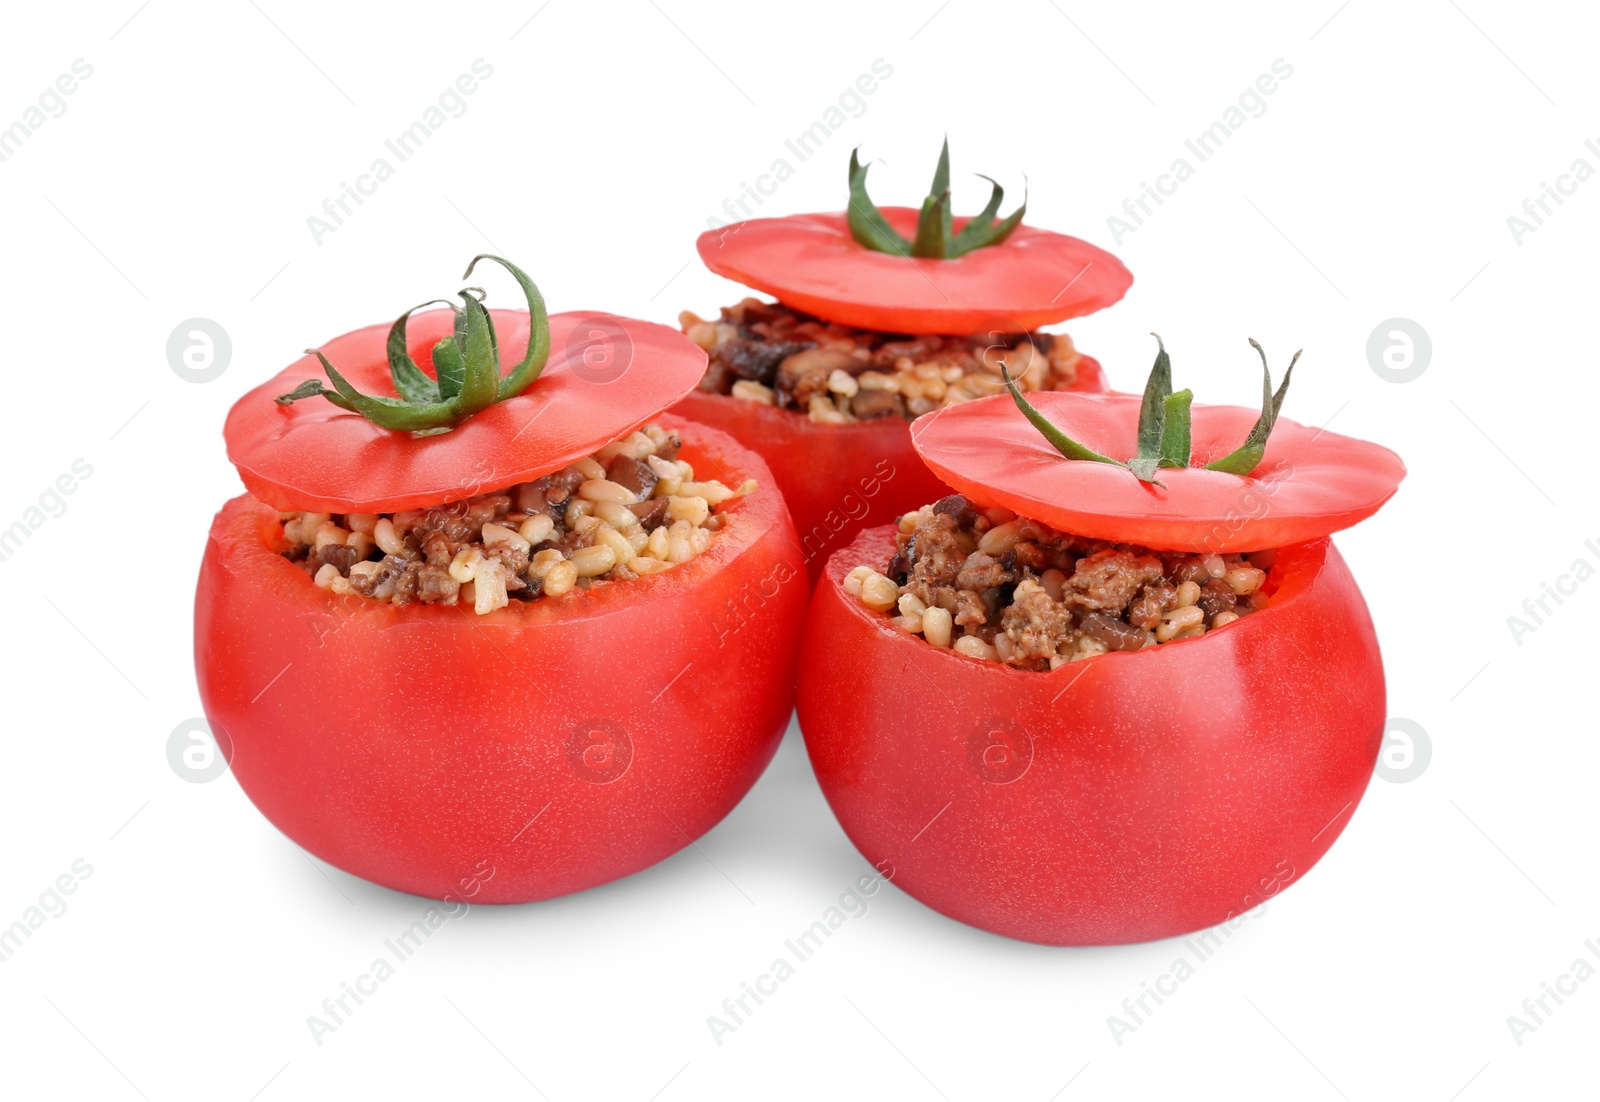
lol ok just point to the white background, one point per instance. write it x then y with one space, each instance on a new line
1377 184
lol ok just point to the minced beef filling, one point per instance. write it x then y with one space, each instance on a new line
997 586
766 352
632 508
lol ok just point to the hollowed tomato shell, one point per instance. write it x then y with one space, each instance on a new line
838 479
812 263
1122 798
537 750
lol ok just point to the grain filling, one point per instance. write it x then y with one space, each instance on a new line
631 509
993 585
769 353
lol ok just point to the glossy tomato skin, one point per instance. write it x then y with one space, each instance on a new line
1124 798
838 479
1309 484
535 751
812 262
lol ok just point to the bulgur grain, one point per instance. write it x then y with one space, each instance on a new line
853 580
769 353
879 593
1244 580
561 578
1004 588
631 509
937 626
973 646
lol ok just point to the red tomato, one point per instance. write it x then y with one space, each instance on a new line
837 479
812 263
1310 483
1123 798
605 377
540 749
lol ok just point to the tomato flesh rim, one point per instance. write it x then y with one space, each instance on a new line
1293 571
749 518
1090 372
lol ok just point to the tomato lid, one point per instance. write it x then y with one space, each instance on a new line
812 263
605 376
1304 483
899 270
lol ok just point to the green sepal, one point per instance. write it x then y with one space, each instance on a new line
450 367
1145 470
518 378
1003 230
1247 456
981 221
312 388
467 365
867 223
461 321
981 230
939 191
933 227
1174 450
1152 408
389 413
941 171
410 381
1058 439
480 384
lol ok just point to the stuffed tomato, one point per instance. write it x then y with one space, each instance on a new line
1084 700
482 653
883 315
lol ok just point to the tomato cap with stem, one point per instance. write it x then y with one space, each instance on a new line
467 364
1164 423
917 271
1286 483
456 427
